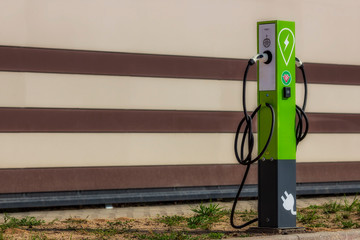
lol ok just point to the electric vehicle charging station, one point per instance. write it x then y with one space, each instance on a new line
276 86
278 131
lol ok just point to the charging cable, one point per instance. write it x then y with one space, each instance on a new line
300 112
248 131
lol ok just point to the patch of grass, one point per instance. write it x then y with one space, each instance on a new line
171 220
314 207
12 222
215 235
53 221
247 215
332 207
349 224
350 206
307 217
205 216
211 210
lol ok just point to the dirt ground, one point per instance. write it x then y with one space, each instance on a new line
122 228
206 222
147 228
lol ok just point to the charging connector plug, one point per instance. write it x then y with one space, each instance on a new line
298 62
264 57
269 57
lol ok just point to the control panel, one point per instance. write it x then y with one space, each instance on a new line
267 43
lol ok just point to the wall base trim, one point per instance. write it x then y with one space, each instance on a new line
74 198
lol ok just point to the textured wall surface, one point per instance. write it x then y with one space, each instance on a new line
132 86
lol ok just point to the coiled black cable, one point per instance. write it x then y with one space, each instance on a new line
300 112
300 135
248 133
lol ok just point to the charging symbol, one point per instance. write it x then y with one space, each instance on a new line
286 42
288 202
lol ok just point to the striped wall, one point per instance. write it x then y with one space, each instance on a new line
146 94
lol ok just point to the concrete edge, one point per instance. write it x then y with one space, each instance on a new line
347 234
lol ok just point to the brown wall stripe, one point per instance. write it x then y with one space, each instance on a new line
25 59
144 121
101 178
119 64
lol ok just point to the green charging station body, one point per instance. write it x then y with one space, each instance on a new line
276 86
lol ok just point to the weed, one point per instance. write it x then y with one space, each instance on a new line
307 217
202 222
11 222
349 224
349 207
211 210
215 235
332 207
205 216
53 221
171 220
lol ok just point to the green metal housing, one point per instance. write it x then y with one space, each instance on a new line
283 143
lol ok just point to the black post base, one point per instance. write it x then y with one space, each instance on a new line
277 194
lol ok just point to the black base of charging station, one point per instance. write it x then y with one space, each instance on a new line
277 193
269 230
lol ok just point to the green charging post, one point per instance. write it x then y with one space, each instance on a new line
281 126
276 86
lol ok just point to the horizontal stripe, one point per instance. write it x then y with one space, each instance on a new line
150 65
330 98
184 28
89 91
141 121
120 64
72 179
37 150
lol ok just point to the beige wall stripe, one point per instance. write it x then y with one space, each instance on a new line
24 150
183 27
110 92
